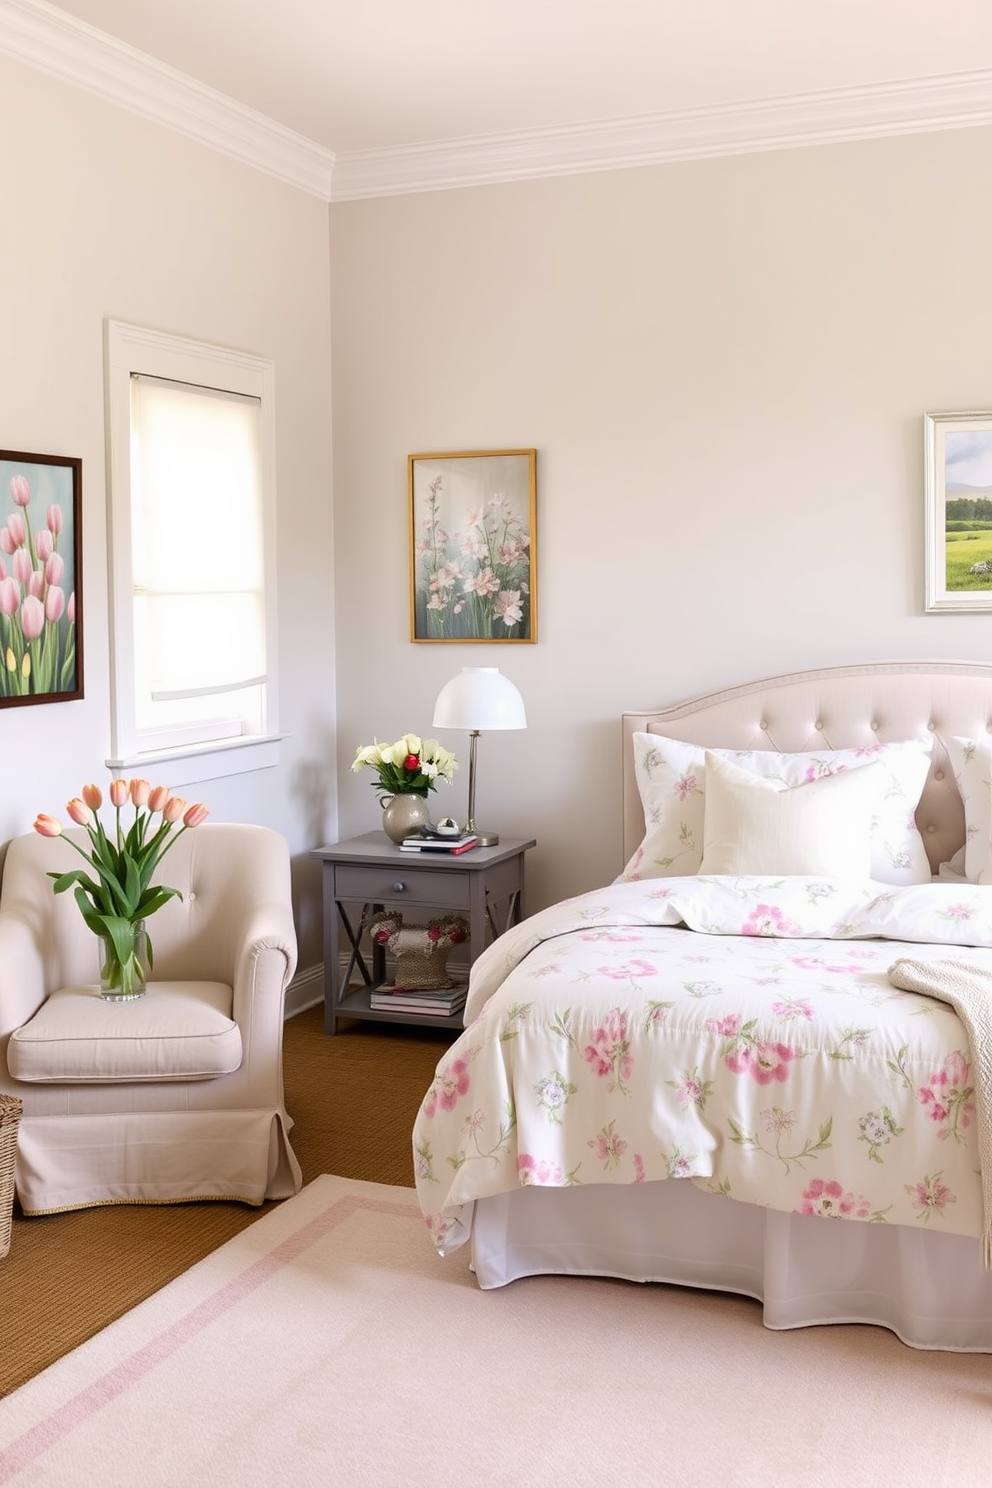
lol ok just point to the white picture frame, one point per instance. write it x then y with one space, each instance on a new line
958 481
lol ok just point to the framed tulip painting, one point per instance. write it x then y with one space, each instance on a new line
958 491
473 538
41 652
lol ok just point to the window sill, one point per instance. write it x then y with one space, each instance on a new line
193 763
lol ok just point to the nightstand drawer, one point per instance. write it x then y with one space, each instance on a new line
447 889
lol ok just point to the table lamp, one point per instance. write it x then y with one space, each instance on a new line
479 698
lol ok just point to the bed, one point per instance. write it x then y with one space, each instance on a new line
680 1076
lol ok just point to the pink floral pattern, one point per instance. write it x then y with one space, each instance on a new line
930 1196
609 1053
539 1171
793 1076
745 1053
829 1199
686 785
608 1146
788 1008
948 1097
450 1084
768 919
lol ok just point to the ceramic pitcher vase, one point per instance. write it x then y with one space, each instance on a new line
404 815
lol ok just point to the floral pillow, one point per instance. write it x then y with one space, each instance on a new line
671 779
971 762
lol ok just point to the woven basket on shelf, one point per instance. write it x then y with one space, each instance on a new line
11 1109
421 951
423 973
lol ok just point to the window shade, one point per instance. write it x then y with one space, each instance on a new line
196 511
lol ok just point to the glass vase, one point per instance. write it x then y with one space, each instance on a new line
404 815
124 963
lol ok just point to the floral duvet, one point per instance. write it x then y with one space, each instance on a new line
740 1033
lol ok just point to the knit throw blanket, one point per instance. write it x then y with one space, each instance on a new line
968 990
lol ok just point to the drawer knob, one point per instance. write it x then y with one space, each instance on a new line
398 888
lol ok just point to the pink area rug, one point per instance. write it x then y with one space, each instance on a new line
327 1345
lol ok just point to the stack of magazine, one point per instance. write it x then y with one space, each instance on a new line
443 1003
439 844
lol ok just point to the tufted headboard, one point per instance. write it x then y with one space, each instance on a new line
843 707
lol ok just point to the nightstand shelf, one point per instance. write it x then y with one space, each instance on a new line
369 873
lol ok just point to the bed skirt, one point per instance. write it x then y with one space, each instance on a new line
929 1288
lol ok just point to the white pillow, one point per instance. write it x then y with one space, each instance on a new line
822 828
971 762
671 780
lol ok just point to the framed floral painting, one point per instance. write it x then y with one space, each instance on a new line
41 652
473 537
958 492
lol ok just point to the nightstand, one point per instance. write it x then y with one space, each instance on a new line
365 874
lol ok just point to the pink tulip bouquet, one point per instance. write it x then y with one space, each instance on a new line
118 895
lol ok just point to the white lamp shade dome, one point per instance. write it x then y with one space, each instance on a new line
479 698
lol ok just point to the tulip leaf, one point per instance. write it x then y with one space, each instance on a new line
153 899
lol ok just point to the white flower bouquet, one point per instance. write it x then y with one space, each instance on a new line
410 767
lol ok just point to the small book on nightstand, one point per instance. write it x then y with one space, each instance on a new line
439 844
441 1003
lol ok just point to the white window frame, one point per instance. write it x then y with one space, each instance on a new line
132 350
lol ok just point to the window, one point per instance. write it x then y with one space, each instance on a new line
191 555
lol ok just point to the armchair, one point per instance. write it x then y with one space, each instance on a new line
178 1095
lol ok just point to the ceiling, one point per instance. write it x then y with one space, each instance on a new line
359 77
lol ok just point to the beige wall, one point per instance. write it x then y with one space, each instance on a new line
105 215
724 367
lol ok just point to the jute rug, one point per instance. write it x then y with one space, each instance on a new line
326 1344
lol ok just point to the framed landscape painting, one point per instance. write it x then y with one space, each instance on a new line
958 494
473 546
41 653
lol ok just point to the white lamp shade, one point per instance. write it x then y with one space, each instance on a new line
479 698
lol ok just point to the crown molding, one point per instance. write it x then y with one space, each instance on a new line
42 36
45 37
955 102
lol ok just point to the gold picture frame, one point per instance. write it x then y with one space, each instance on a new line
473 546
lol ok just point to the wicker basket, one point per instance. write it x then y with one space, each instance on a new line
421 951
11 1109
417 972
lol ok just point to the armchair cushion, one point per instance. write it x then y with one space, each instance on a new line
177 1031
